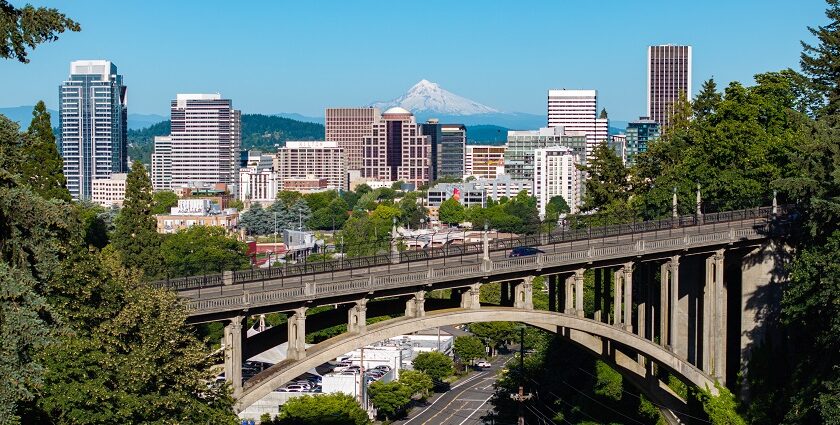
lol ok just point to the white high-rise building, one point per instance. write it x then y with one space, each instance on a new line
555 174
205 140
93 123
162 163
311 160
577 112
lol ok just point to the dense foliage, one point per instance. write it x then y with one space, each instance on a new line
433 363
326 409
42 167
27 27
201 249
468 348
135 234
293 214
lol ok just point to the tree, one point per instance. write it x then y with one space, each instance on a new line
821 63
521 215
607 188
135 235
163 201
235 203
126 356
27 27
608 381
435 364
325 409
418 383
411 211
722 408
329 217
494 334
603 115
390 399
451 211
707 101
556 205
257 220
42 169
202 249
468 348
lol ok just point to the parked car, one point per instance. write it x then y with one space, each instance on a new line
383 367
294 388
483 364
524 251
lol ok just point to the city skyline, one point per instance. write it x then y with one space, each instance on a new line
340 76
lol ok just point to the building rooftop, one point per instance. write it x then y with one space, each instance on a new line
396 110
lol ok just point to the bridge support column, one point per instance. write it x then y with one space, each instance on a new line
505 293
470 297
718 323
628 296
416 305
524 294
664 298
569 286
297 334
678 344
357 317
578 278
618 287
234 350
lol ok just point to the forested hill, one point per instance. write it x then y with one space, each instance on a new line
264 132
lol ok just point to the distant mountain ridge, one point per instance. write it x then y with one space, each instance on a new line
23 115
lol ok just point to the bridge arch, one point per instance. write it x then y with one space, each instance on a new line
264 383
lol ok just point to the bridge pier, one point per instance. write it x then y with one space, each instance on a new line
524 294
627 271
234 351
357 317
569 295
296 349
552 293
504 289
416 305
470 297
718 321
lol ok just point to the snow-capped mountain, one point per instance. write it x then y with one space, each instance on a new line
427 97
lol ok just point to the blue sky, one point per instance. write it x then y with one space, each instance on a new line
283 56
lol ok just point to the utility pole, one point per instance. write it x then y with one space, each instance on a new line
362 399
521 396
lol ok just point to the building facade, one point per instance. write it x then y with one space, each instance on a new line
522 146
555 174
257 185
397 150
109 192
484 161
467 194
504 185
197 212
639 133
205 140
618 143
305 160
162 163
448 143
348 127
669 77
93 125
577 112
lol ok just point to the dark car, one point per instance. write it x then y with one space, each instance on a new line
524 251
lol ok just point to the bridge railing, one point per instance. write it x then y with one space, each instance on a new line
562 234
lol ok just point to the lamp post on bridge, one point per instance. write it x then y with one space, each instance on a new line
699 206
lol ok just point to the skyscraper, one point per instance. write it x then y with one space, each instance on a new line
448 143
93 123
162 163
397 150
669 76
577 112
349 127
205 140
639 133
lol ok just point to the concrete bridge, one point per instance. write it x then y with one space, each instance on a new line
684 295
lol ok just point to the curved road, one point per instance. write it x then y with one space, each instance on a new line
465 403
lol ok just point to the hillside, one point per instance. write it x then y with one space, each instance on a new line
262 132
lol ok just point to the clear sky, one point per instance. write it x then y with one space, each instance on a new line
284 56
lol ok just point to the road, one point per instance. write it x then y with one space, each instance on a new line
464 404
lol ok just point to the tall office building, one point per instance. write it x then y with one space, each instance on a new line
448 143
93 122
577 112
484 161
669 76
397 150
639 133
311 161
555 174
349 127
162 163
522 145
205 140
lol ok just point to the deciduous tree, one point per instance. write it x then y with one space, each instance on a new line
27 27
435 364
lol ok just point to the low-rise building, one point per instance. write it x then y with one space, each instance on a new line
504 185
308 184
109 192
484 161
197 212
465 193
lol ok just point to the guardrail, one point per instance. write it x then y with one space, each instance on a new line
424 255
435 275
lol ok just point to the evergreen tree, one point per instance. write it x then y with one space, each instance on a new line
28 27
603 114
707 100
135 234
42 167
607 188
821 63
